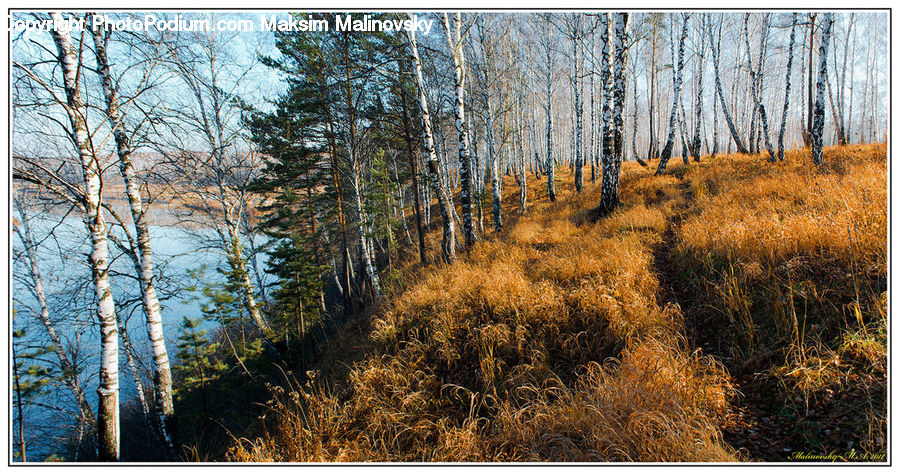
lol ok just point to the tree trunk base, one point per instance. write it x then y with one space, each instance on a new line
108 425
603 210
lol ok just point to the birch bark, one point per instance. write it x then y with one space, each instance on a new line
162 373
454 41
819 110
551 165
612 162
679 65
787 87
715 45
756 81
108 389
448 251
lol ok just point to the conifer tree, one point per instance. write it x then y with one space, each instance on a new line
197 363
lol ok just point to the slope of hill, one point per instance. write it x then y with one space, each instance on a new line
731 310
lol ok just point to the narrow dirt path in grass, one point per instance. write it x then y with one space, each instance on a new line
764 263
668 288
749 428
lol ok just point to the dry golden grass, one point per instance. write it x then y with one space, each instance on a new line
807 236
653 405
791 261
767 213
546 342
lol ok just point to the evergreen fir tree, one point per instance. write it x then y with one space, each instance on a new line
197 363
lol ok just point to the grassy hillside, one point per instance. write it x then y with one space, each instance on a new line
731 310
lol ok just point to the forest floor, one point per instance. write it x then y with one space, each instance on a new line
731 310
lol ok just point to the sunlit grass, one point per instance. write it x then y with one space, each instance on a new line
547 341
793 259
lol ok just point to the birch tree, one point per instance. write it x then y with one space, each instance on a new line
70 373
698 102
108 390
787 87
840 78
455 42
605 91
448 251
592 155
612 161
219 176
653 148
634 97
573 31
756 81
412 155
551 164
488 81
715 42
807 131
679 65
88 199
819 112
162 374
363 226
522 177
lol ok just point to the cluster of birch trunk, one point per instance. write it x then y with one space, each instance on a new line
86 85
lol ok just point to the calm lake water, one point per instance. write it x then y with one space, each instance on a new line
64 267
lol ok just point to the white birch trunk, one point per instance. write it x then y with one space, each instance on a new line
495 164
819 111
605 91
454 41
612 161
592 156
448 250
756 81
362 228
135 374
715 49
634 122
108 389
70 373
787 87
698 110
679 65
551 165
579 107
162 373
494 160
523 188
